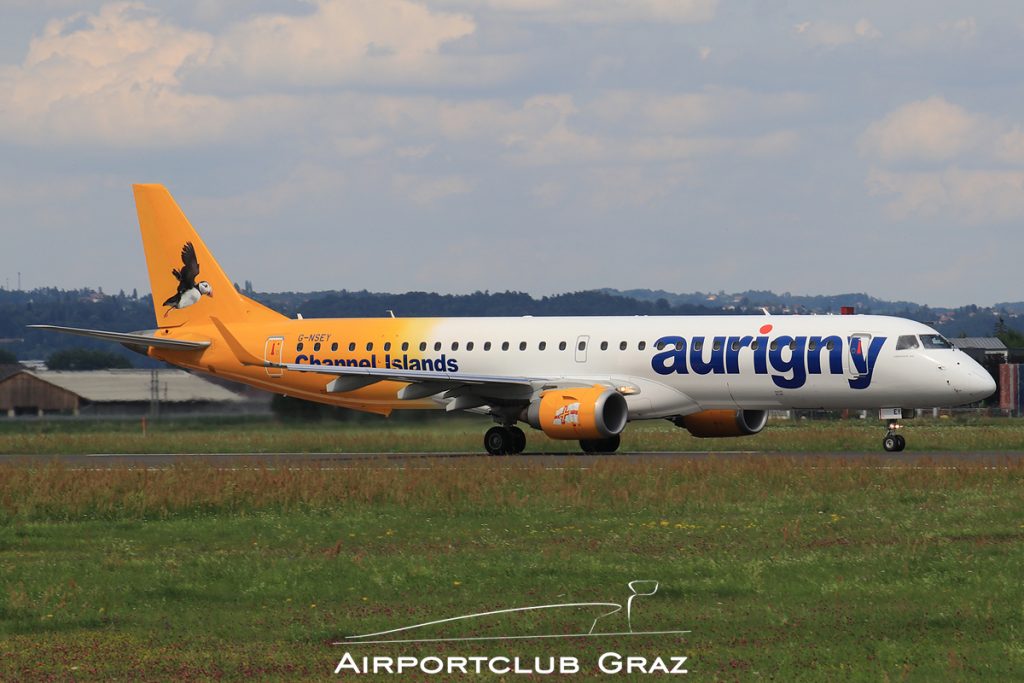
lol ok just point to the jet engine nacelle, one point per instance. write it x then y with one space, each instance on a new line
585 413
723 422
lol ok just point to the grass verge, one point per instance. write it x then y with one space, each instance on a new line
781 569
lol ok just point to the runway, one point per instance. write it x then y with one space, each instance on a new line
350 460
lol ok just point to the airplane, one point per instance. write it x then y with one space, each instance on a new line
573 378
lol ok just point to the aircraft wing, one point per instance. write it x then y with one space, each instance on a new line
129 338
424 383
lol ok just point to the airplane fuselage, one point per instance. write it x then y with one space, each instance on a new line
668 365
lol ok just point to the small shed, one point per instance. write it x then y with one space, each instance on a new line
110 392
982 349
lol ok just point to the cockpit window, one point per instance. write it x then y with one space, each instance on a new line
907 341
935 341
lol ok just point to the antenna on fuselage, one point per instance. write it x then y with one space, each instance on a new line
765 309
391 314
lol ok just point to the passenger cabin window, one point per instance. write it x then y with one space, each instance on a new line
542 346
423 346
504 346
455 346
522 346
487 346
299 346
334 346
935 341
437 346
351 346
604 346
907 341
622 346
641 346
660 345
561 346
369 346
405 346
469 346
387 346
316 347
812 345
582 346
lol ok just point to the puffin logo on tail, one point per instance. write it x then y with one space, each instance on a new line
189 291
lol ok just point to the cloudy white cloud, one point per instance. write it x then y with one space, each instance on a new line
112 77
601 11
935 158
831 34
118 76
927 130
340 41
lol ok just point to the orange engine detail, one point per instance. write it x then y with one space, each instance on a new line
585 413
723 422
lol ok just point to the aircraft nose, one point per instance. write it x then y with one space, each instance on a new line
979 384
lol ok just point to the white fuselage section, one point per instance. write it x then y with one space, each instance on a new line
678 365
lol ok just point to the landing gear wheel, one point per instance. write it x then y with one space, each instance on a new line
609 445
504 440
498 441
518 439
893 442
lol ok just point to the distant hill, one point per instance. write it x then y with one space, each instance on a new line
124 312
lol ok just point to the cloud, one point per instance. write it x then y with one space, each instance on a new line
959 160
602 11
110 76
121 76
972 196
426 190
831 34
340 41
927 130
715 108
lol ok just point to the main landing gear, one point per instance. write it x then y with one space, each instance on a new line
510 440
505 440
893 442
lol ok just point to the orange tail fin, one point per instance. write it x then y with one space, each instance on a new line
186 280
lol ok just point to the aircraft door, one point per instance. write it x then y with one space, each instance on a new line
582 342
273 352
857 354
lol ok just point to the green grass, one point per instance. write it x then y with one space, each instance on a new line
465 434
783 569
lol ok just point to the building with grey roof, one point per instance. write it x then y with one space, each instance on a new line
113 392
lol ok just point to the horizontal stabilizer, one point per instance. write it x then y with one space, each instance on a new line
132 338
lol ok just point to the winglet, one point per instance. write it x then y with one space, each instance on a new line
243 356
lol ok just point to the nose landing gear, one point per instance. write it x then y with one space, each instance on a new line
893 442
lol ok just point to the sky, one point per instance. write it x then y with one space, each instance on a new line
542 146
